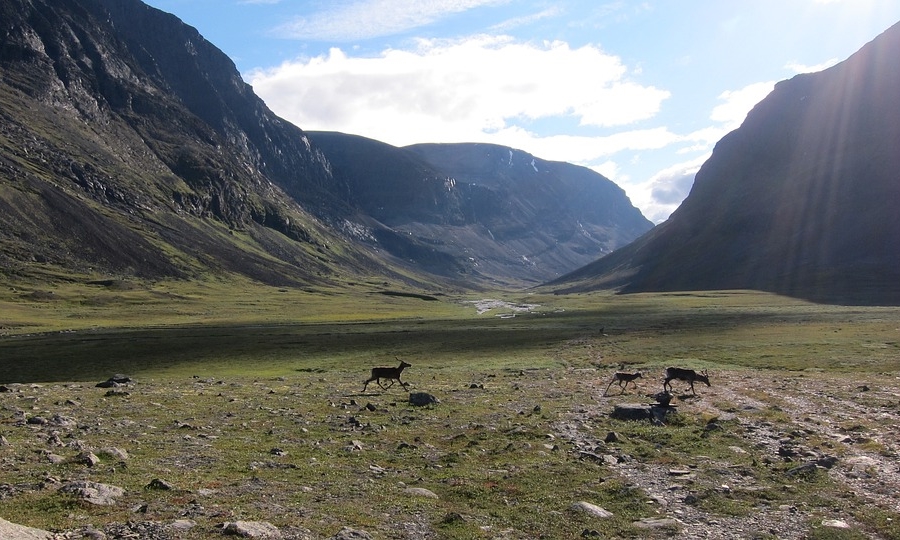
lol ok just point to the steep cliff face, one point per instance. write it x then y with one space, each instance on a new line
800 200
150 159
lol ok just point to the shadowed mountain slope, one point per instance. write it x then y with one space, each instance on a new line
495 212
800 200
130 146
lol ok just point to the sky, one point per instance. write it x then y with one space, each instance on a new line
639 91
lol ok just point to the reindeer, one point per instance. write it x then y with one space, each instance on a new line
390 373
626 378
687 375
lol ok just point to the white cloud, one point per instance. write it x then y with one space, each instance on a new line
364 19
797 67
739 102
659 196
478 89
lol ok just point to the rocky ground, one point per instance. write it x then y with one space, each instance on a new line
848 427
845 431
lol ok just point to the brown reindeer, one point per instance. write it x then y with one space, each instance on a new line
625 378
686 375
390 373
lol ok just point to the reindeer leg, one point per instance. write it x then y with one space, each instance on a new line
607 386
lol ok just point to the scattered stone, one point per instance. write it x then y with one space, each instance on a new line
115 453
611 437
21 532
371 408
591 509
277 452
347 533
805 469
631 411
92 533
421 492
656 523
836 524
452 517
3 441
158 484
354 446
183 524
420 399
61 421
4 389
87 458
54 458
94 492
252 529
117 393
37 421
114 381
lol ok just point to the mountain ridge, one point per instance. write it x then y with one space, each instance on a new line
799 200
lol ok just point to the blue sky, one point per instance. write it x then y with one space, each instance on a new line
639 91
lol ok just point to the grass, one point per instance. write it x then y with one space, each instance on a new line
248 401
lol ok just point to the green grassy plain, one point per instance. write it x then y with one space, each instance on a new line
227 373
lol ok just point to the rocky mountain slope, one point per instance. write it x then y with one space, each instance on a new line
130 146
800 200
483 209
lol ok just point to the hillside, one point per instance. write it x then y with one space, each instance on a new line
130 147
486 210
800 200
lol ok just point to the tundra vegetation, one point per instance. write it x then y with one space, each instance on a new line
245 405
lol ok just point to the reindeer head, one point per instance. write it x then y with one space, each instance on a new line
704 377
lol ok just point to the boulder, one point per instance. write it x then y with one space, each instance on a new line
420 399
351 534
94 492
21 532
591 510
252 529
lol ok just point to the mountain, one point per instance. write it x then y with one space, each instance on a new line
800 200
484 210
131 147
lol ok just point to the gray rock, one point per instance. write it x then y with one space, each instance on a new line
21 532
94 492
158 484
420 399
656 523
252 529
421 492
351 534
115 453
591 509
87 458
631 411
